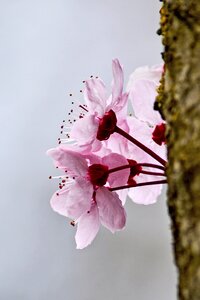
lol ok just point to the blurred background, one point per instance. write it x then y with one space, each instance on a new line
46 49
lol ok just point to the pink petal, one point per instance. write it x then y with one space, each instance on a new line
143 95
152 74
73 161
146 194
122 195
95 96
118 80
111 211
88 227
84 131
114 160
117 143
74 200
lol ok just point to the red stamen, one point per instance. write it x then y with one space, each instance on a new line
81 106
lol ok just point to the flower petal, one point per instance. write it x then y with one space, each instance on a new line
152 74
73 201
73 161
145 194
88 227
118 80
142 86
84 131
95 96
142 95
114 160
111 211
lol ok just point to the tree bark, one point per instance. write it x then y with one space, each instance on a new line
179 103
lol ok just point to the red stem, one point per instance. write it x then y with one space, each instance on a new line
140 145
139 164
138 184
152 173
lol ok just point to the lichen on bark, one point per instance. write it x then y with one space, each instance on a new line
179 103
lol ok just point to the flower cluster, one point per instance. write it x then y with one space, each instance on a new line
107 154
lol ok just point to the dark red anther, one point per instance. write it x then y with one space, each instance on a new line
98 174
158 134
107 125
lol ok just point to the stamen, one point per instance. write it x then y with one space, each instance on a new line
81 106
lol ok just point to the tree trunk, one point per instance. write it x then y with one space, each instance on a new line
179 103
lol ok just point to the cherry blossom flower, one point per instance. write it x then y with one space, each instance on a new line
142 88
100 120
85 196
113 155
147 126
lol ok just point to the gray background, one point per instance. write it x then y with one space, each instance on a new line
47 49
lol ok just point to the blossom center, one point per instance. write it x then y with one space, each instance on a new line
158 134
107 125
98 174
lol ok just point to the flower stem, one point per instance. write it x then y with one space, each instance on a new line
152 173
138 184
139 164
140 145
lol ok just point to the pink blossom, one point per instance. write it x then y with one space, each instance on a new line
142 88
100 120
85 196
147 126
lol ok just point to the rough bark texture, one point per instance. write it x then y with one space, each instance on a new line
179 103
